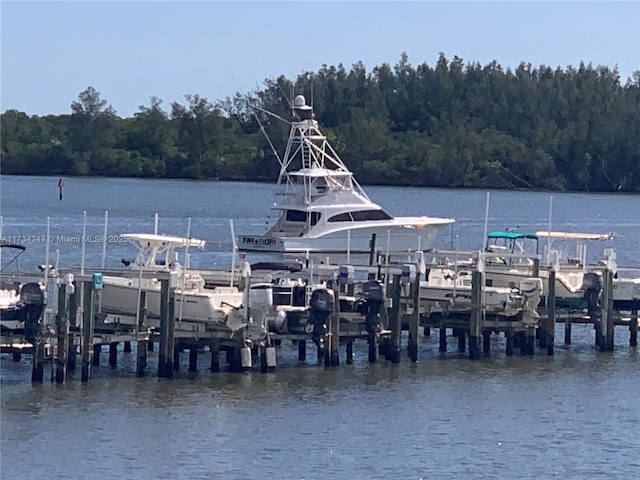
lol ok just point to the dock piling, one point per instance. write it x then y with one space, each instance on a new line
302 350
166 347
567 329
475 328
508 334
87 330
373 347
374 305
262 352
550 327
320 353
607 325
529 341
72 318
486 343
193 358
414 319
141 347
594 307
113 354
71 355
177 350
442 338
63 334
234 355
349 352
215 355
633 329
395 320
334 329
95 357
462 339
37 370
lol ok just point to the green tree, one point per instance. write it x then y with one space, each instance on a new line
91 133
198 125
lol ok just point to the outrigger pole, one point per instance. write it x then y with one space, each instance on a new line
253 108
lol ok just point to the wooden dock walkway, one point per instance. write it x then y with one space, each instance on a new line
76 331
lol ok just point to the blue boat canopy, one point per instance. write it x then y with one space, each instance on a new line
512 235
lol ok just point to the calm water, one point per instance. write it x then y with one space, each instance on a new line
573 415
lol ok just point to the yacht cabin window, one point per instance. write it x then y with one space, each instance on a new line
361 216
302 216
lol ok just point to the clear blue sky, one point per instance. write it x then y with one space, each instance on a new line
130 51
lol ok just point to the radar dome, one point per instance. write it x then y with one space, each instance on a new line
300 103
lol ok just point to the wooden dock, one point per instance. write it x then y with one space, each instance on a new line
76 331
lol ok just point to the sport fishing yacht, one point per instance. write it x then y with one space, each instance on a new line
323 209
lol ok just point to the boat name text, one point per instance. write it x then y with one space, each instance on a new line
267 242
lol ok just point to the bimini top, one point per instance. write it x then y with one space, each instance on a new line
512 235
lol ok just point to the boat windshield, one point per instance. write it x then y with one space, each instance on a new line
509 242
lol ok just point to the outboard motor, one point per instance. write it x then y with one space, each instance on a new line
531 289
32 299
260 303
321 306
592 285
373 296
591 281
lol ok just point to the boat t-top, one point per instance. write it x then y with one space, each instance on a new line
323 209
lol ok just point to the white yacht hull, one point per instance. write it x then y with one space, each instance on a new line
356 240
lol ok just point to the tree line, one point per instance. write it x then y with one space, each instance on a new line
448 125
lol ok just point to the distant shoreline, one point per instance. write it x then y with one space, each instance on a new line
273 182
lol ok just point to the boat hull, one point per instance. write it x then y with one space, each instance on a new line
353 240
626 293
120 296
568 285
